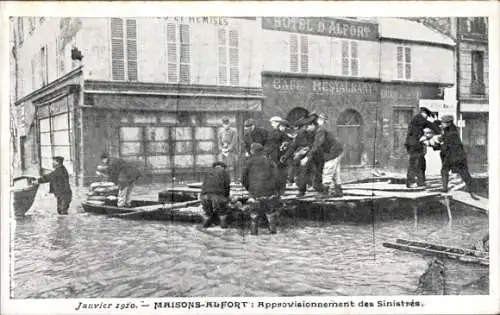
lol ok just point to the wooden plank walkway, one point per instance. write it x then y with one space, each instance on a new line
464 198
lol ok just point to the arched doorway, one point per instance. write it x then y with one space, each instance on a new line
349 131
295 114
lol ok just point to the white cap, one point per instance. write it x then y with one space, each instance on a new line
275 118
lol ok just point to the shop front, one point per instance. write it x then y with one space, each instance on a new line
171 135
371 118
351 106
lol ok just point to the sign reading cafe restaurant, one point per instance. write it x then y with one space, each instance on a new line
324 26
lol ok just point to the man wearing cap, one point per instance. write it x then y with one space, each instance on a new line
260 179
416 149
124 174
453 155
227 146
297 150
253 134
274 149
333 153
58 180
312 164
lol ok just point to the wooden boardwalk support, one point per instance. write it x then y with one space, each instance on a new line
464 198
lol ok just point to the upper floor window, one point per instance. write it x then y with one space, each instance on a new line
404 62
350 58
477 73
475 25
228 52
299 53
20 30
124 49
178 53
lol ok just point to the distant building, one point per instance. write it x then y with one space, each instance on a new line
153 90
473 87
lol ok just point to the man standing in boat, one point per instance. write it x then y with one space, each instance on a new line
124 174
215 192
58 180
260 179
227 147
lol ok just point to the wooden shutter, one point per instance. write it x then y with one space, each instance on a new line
354 59
132 50
117 49
294 53
400 62
234 58
408 63
185 54
172 52
33 74
345 57
304 54
222 56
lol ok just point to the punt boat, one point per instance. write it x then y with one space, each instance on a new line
23 196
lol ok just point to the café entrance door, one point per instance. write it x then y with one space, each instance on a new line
349 131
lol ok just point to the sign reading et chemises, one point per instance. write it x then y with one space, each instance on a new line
324 26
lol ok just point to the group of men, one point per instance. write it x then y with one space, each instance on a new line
424 131
305 153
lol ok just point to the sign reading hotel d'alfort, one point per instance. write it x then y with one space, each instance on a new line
323 26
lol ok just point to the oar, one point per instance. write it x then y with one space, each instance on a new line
165 207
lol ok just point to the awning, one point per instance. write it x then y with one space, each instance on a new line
213 103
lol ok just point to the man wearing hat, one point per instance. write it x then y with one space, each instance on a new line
253 134
58 180
260 179
453 156
273 148
333 153
227 147
416 149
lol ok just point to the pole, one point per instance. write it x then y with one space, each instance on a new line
457 67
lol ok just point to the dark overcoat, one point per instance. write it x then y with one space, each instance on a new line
260 176
58 181
452 149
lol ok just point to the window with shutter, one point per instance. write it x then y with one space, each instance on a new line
350 58
403 62
124 49
131 50
228 56
33 73
304 54
117 50
294 53
43 74
178 53
299 53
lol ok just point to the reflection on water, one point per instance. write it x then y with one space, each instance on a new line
88 256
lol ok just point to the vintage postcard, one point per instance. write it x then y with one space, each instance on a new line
250 158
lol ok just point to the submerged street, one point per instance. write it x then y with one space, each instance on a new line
87 256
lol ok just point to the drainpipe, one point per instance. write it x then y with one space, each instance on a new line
457 63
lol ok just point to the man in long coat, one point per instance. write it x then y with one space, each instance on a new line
228 147
415 149
273 148
58 180
260 178
253 134
453 155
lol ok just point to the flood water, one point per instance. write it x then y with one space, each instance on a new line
89 256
